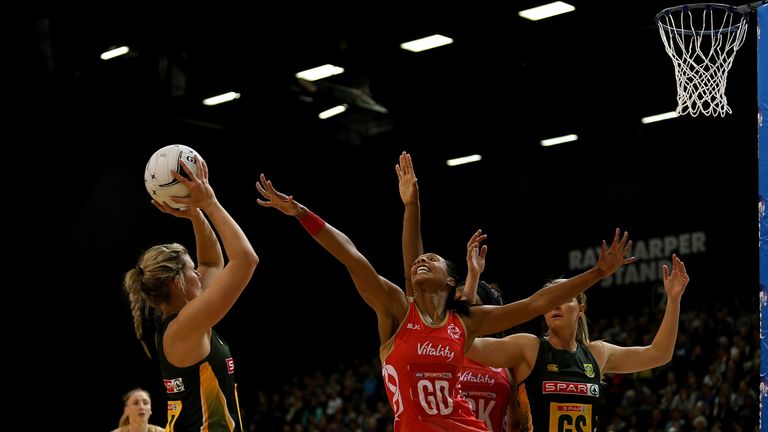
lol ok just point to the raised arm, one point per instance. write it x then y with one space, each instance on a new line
409 193
475 266
616 359
221 292
384 297
210 259
412 242
493 319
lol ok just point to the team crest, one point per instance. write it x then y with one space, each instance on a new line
588 370
454 331
553 367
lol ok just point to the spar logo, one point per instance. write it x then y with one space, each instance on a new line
570 388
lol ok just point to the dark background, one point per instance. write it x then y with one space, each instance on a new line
503 85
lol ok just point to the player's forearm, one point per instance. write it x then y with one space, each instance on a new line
411 243
663 346
548 298
232 236
208 249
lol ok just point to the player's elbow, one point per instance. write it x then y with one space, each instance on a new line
254 259
251 260
666 358
659 357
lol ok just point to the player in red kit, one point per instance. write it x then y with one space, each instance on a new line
491 392
423 338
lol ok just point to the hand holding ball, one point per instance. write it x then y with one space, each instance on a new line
159 181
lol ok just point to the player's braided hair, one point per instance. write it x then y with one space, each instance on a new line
147 284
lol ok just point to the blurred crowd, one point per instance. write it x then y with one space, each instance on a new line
710 385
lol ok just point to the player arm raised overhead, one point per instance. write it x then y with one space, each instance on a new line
219 293
385 298
616 359
210 259
412 243
489 319
409 193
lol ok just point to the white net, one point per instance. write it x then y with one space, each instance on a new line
702 40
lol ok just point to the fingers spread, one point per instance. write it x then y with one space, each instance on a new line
623 239
261 190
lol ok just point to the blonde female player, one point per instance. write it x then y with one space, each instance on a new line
559 375
136 413
197 366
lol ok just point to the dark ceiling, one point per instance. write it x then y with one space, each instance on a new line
504 76
503 85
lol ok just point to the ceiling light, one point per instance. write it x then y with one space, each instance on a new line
319 72
226 97
115 52
426 43
546 11
338 109
659 117
463 160
559 140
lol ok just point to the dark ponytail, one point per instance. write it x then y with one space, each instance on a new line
459 306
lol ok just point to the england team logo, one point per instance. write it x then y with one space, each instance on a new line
454 331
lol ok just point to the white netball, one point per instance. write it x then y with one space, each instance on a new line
158 180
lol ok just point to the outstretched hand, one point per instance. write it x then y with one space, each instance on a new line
273 198
200 192
613 257
409 188
676 280
476 253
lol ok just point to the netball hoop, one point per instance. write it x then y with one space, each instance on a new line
702 40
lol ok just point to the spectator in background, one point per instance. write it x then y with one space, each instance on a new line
136 413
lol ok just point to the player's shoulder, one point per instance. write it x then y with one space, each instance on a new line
525 338
599 348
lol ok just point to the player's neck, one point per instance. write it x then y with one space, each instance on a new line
138 427
562 342
431 307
